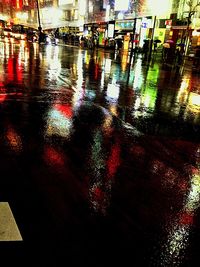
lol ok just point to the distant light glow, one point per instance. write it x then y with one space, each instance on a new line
90 6
121 5
120 15
111 29
22 15
82 7
156 8
65 2
194 99
51 15
194 103
108 12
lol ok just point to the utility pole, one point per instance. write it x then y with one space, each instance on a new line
151 41
39 22
133 39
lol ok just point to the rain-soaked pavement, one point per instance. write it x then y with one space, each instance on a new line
99 158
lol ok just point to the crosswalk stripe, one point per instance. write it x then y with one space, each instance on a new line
8 227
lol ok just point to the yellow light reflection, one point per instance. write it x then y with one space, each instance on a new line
107 125
193 105
183 91
113 109
14 140
194 99
124 61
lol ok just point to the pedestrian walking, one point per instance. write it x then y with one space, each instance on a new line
196 62
145 49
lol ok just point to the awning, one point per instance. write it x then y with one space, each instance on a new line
180 27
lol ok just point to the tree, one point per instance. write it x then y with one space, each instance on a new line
192 9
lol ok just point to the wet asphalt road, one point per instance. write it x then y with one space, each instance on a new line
99 159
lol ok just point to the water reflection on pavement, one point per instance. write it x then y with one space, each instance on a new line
107 156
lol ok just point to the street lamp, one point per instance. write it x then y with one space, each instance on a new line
39 22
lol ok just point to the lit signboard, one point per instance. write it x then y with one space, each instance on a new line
111 28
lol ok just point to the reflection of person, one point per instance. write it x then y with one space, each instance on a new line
196 62
155 45
145 48
179 53
168 52
119 43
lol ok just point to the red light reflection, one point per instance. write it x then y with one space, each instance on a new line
53 157
113 160
65 109
14 70
186 219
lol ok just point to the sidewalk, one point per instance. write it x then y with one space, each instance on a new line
156 57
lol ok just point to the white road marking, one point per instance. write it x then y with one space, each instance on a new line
8 227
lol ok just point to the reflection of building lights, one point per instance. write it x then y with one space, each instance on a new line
58 124
184 85
149 98
107 66
124 61
194 99
137 103
107 125
113 110
14 140
113 91
138 79
180 231
53 157
192 202
194 103
2 97
53 61
80 82
183 91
